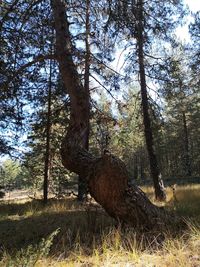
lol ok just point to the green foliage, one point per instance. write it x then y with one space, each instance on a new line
29 256
180 129
195 34
128 140
14 175
34 159
9 172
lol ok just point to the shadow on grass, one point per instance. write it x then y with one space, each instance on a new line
24 224
20 208
77 224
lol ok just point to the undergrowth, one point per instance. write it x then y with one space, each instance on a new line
67 233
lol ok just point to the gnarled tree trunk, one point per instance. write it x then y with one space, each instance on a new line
107 175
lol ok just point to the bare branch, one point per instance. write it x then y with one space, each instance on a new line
108 67
105 88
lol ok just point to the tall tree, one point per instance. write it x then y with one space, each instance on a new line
140 36
107 176
82 185
20 47
47 163
195 34
144 23
177 91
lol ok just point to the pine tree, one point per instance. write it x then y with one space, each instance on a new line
143 23
107 175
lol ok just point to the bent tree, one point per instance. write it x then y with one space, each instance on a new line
106 176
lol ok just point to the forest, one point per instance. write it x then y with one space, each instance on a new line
99 133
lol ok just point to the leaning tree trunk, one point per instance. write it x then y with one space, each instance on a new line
158 184
107 175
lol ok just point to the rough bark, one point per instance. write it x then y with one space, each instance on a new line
158 184
107 175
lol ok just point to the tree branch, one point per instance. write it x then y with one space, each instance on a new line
105 88
37 59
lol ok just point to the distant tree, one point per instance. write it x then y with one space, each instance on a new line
9 172
47 162
129 140
195 35
178 93
47 128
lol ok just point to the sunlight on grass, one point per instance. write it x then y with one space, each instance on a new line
88 237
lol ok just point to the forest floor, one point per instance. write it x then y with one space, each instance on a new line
67 233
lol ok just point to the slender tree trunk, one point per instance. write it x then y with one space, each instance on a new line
135 167
47 166
142 174
158 184
186 143
107 175
82 184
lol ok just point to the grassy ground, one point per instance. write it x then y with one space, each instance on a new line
66 233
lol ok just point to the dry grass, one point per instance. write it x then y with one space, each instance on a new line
66 233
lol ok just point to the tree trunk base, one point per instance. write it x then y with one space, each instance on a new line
128 204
